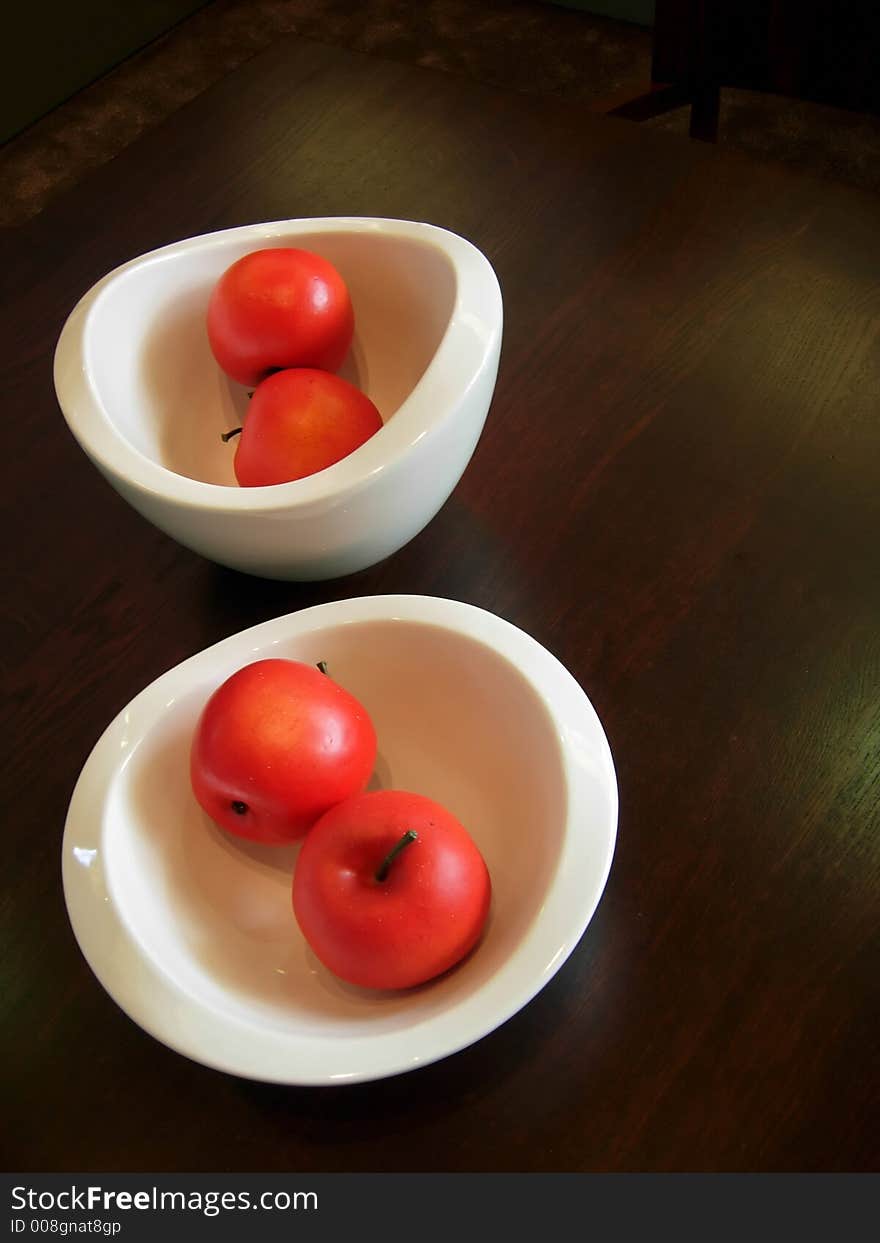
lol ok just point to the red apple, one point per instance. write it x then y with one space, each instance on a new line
277 745
390 890
279 307
299 422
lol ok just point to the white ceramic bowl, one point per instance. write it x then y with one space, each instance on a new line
191 931
142 394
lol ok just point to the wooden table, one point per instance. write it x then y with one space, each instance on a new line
677 492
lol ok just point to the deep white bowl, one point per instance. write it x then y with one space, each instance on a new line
191 931
142 394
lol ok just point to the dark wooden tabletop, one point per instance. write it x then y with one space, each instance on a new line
677 492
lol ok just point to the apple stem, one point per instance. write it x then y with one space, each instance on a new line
385 866
227 436
322 665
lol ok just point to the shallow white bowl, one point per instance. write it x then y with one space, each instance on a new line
142 394
191 931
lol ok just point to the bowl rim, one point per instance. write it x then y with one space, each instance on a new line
227 1042
427 405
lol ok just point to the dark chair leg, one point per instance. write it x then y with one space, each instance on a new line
705 103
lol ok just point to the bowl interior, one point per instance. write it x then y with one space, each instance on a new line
147 353
455 721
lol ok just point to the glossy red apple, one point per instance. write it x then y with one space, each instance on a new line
299 422
279 307
390 890
276 745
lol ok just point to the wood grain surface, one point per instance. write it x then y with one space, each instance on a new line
677 492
